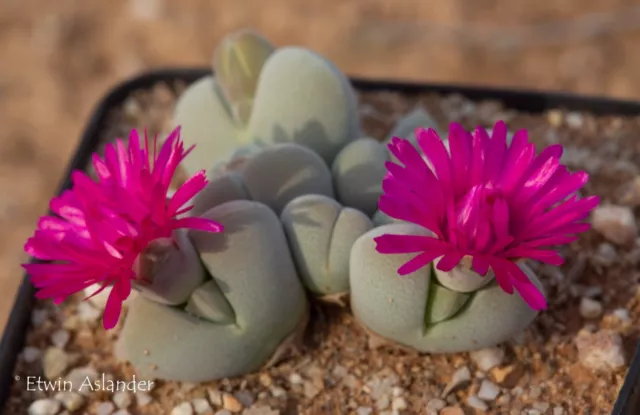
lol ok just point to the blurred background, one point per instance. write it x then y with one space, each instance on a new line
58 58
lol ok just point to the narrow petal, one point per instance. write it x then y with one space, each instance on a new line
405 244
196 223
419 261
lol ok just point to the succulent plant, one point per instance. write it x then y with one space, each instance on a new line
321 233
266 95
461 218
245 312
419 311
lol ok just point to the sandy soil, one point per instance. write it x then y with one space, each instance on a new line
59 58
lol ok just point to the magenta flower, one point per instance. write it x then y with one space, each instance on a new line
102 227
484 201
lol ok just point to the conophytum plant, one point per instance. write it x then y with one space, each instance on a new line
427 236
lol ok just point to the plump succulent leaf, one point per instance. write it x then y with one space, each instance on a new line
321 233
237 63
162 262
282 172
207 124
251 264
397 308
358 171
304 98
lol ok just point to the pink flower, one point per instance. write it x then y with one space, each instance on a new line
102 227
484 201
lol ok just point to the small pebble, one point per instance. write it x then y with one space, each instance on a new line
201 406
70 400
184 408
622 314
86 312
260 410
555 118
38 317
143 398
435 404
606 254
31 354
364 410
399 404
310 390
105 408
631 193
616 223
44 407
600 351
55 363
60 338
122 399
121 412
489 391
265 380
222 412
541 406
245 397
558 410
574 120
231 403
278 392
296 379
459 379
590 308
477 403
215 397
452 410
487 359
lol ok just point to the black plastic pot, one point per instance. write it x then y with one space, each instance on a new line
628 402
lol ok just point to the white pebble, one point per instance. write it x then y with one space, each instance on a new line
184 408
201 406
215 397
622 314
105 408
574 120
122 399
364 410
477 403
435 404
590 308
489 391
71 400
44 407
223 412
606 254
143 398
399 404
487 359
86 312
60 338
278 392
541 406
122 412
31 354
615 223
558 410
296 379
600 351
